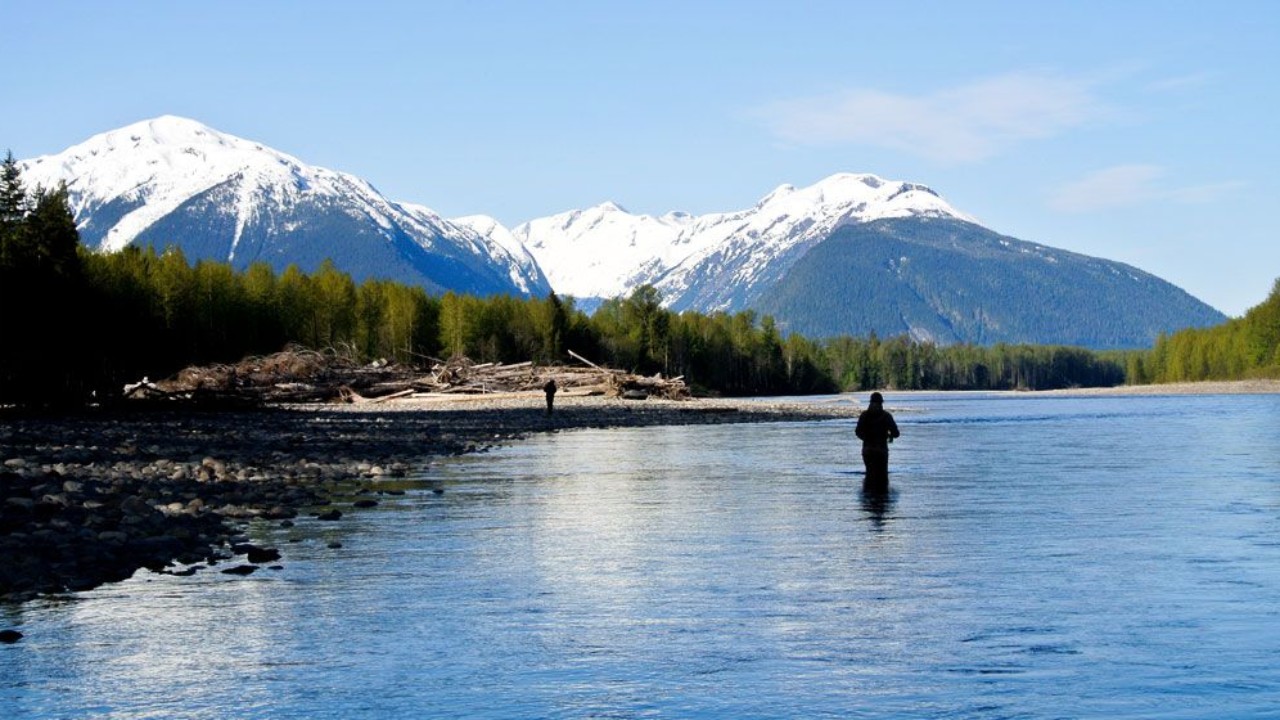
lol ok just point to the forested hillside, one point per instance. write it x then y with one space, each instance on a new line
950 281
79 324
1239 349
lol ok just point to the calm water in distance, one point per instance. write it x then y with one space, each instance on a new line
1040 557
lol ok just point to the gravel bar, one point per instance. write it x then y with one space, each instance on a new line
93 497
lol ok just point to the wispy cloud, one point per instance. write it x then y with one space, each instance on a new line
1128 185
961 124
1181 82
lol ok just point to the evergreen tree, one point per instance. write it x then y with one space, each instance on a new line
13 196
41 292
55 241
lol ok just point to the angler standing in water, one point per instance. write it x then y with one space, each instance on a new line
876 429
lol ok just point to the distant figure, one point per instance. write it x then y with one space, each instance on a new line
550 390
876 429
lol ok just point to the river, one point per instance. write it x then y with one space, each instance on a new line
1038 557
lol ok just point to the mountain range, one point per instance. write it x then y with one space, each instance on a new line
851 254
171 181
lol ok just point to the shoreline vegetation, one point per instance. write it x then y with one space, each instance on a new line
95 496
1261 386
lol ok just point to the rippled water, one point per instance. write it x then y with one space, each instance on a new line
1039 557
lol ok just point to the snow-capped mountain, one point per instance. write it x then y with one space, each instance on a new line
495 232
851 254
604 251
173 181
856 254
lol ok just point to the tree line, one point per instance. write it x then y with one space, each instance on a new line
78 324
1242 348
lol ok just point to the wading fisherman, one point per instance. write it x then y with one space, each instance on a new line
876 429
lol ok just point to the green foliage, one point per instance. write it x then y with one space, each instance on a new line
1241 348
41 290
395 321
13 196
903 364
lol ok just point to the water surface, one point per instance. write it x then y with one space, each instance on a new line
1038 557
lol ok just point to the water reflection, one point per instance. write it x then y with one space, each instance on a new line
1028 564
877 501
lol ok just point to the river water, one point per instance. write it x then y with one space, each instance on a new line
1039 557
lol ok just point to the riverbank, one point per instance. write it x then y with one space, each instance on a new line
93 497
1206 387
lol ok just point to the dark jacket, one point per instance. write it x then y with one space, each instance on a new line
876 428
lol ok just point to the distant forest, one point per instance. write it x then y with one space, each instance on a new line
1242 348
79 324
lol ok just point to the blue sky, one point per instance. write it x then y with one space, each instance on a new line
1143 132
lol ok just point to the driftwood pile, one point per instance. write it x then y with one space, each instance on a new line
308 376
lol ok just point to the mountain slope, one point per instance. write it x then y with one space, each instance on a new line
855 254
601 251
172 181
850 254
709 261
947 281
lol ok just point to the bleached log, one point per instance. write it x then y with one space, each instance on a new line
576 355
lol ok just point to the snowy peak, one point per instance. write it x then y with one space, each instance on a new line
166 149
156 165
174 180
604 251
169 131
609 206
861 197
597 252
494 238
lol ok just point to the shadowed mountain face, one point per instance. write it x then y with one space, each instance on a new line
311 229
948 280
855 254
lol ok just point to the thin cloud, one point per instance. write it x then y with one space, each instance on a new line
1182 82
1200 194
1113 187
1129 185
963 124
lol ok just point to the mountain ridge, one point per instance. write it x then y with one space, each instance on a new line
603 251
948 281
792 254
172 180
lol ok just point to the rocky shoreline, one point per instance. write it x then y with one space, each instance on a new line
93 497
